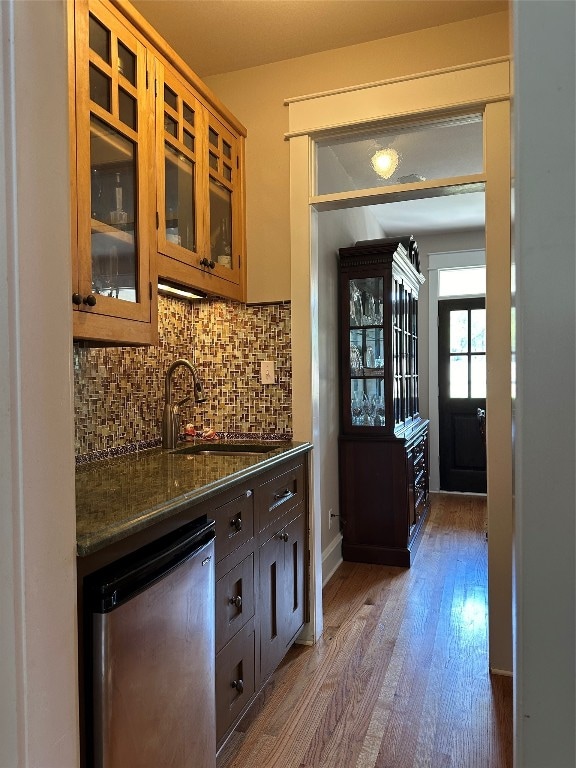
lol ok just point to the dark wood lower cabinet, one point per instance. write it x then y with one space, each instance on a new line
281 599
383 495
261 584
235 678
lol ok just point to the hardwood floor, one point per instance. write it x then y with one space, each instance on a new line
399 678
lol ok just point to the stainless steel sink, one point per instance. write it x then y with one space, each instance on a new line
227 449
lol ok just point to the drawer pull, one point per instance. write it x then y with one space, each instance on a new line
236 523
237 601
283 495
238 684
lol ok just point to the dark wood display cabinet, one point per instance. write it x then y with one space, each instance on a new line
383 443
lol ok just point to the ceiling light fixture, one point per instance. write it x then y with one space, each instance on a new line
385 162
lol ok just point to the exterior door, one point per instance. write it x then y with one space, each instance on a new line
462 391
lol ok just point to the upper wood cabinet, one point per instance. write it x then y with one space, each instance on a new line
157 185
114 286
199 192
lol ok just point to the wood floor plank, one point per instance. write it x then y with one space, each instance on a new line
400 677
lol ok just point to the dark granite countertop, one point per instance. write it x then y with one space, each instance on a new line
120 496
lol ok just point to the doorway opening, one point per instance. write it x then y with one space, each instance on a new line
462 394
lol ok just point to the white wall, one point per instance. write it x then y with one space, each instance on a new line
256 96
38 688
336 229
545 508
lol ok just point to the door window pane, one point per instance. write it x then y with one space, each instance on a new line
188 114
170 125
462 281
220 224
114 213
180 202
99 38
213 137
401 155
478 330
170 97
100 88
478 376
127 108
127 63
459 330
458 376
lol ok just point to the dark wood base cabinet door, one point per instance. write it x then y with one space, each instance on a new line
272 645
282 592
235 679
294 597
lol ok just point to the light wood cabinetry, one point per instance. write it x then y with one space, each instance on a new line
157 177
200 227
114 284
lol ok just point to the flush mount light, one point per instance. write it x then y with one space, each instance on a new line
385 162
180 293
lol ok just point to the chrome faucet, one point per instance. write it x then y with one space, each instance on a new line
170 417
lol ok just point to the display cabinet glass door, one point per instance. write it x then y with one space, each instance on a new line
223 171
366 365
404 353
113 214
180 228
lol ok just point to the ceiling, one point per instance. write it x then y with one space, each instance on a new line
217 36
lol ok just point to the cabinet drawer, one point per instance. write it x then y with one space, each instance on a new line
234 678
234 601
279 495
234 524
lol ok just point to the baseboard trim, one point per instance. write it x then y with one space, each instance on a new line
331 559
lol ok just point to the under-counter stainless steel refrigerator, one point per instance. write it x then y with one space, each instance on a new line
153 655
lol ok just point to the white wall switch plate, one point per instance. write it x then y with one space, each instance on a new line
267 372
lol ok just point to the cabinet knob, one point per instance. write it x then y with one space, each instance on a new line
207 262
236 523
90 300
76 299
238 684
283 536
237 601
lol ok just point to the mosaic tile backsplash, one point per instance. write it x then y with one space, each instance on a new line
119 391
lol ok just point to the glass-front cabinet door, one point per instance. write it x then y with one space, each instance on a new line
379 285
367 352
222 153
179 140
112 114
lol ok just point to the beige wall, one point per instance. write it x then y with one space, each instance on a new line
256 96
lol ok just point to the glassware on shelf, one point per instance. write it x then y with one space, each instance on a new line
118 217
369 409
370 360
380 415
355 305
356 408
369 316
355 360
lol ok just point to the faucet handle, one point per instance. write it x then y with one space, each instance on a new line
181 402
